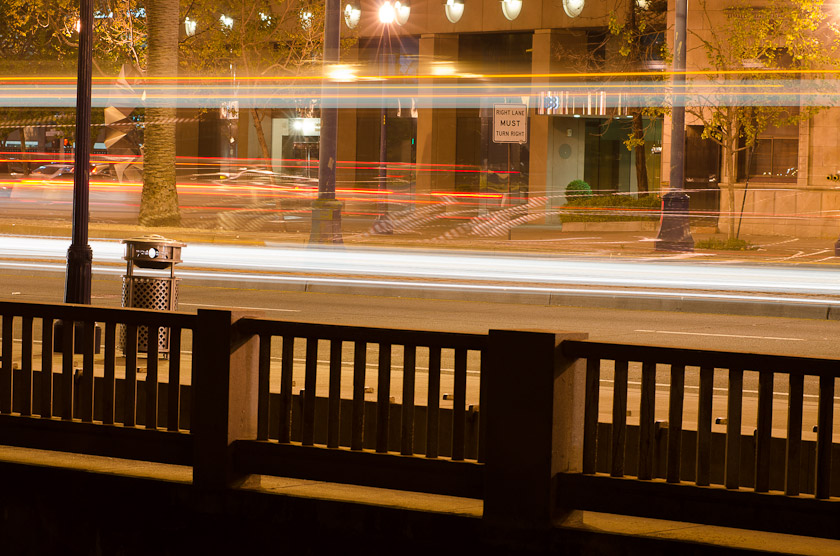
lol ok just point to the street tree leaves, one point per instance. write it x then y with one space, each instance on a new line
746 48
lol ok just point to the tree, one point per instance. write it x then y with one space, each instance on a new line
159 199
256 39
746 45
641 40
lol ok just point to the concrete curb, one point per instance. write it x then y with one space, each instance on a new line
511 294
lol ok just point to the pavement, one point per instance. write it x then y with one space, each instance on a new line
630 243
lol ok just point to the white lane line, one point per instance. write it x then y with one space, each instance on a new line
240 307
720 335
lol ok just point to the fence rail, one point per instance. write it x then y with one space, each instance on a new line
525 432
703 365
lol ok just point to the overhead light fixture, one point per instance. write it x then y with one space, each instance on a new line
511 8
189 27
352 14
402 10
454 10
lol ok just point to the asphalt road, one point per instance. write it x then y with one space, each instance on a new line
788 336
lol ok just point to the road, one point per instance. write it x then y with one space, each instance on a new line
789 336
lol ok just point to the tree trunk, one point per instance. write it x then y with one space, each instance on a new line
729 160
641 161
258 128
23 155
159 200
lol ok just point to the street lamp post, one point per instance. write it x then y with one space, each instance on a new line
674 230
383 224
80 255
326 209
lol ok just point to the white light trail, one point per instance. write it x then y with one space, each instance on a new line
508 272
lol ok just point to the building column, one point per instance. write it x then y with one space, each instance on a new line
539 137
436 127
345 174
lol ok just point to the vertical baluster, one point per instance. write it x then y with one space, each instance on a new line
46 368
6 369
675 417
647 414
409 374
825 431
459 406
763 431
383 401
482 415
733 429
619 418
793 449
152 378
263 386
433 416
334 402
173 409
357 422
310 378
109 372
86 382
67 333
590 415
26 367
286 370
130 383
704 426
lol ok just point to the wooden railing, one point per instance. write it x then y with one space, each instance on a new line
396 376
242 396
49 391
746 455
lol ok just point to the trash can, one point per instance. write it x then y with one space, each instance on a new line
145 291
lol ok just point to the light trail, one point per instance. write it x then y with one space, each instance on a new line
458 271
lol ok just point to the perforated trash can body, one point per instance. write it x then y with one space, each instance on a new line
150 292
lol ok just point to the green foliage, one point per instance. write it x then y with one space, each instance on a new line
578 188
729 244
611 208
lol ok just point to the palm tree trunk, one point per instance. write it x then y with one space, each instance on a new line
159 200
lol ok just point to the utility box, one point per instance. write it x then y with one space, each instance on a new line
151 291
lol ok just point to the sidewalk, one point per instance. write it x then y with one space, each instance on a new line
523 239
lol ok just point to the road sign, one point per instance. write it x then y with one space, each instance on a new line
510 123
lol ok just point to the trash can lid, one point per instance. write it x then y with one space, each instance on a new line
156 240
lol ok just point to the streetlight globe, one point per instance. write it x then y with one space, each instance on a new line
387 13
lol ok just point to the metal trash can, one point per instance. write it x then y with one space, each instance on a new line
152 252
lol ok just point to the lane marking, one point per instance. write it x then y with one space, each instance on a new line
720 335
240 307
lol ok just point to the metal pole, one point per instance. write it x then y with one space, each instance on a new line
383 224
674 229
80 255
326 210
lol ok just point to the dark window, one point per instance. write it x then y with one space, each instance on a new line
775 156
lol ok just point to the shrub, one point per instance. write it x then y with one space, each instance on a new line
730 244
611 208
578 188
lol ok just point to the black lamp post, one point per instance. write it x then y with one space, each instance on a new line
674 229
326 210
80 255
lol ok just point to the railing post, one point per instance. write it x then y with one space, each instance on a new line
534 398
225 383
